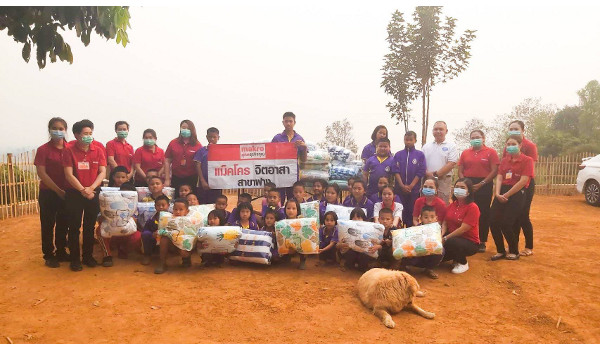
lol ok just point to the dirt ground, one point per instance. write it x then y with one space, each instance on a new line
494 302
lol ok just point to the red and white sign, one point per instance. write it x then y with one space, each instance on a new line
252 165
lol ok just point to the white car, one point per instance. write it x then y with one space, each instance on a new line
588 179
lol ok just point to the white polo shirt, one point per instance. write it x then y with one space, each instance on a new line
438 154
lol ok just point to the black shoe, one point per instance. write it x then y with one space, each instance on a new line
481 248
90 262
63 256
107 261
498 256
186 262
52 262
76 266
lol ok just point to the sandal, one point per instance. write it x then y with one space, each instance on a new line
526 252
512 257
498 256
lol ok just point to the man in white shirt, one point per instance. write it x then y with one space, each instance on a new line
441 157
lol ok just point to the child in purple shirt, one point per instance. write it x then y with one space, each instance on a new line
332 196
242 198
358 198
328 238
318 191
161 203
379 165
381 184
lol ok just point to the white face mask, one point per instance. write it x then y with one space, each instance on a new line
460 192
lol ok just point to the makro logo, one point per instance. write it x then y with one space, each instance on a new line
254 151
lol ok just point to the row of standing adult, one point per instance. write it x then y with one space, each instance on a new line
514 175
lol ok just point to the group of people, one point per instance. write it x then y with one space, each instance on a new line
410 187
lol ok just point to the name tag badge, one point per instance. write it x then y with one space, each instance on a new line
183 162
509 175
83 165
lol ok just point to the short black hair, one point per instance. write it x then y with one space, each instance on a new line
243 205
275 213
149 131
383 139
219 214
121 122
181 200
190 194
150 178
186 184
221 196
78 126
377 128
470 198
162 197
427 208
127 187
386 211
333 216
245 195
149 170
322 182
411 133
294 200
298 184
118 169
270 186
360 181
212 129
289 114
358 211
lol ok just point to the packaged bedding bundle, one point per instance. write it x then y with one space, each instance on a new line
359 235
254 247
310 209
417 241
117 209
312 175
297 235
343 184
343 172
144 194
342 212
341 154
203 209
182 230
145 212
109 189
218 239
319 156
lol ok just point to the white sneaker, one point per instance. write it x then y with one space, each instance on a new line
460 268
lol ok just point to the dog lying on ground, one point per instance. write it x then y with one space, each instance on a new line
387 291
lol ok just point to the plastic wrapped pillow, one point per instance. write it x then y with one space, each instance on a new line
318 157
343 172
297 235
417 241
218 239
342 212
144 194
254 247
117 209
203 209
359 235
310 209
311 175
182 230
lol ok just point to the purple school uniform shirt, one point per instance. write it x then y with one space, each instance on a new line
325 239
231 220
409 163
201 156
365 204
279 210
376 170
376 198
368 151
313 198
283 138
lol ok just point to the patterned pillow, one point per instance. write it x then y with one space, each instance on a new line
297 235
417 241
254 247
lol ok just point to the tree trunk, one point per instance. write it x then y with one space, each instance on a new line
424 128
427 109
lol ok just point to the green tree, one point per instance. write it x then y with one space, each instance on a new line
589 119
37 26
422 54
339 133
462 136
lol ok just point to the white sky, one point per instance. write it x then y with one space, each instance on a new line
239 67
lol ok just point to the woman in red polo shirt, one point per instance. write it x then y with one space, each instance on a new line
514 174
460 226
148 157
53 215
179 157
85 168
529 149
480 165
118 151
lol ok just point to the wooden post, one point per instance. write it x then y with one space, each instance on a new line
12 191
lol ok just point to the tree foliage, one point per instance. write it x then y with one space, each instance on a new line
36 27
339 133
422 54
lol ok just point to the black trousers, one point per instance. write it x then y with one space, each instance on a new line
458 248
78 206
352 258
524 222
483 199
504 217
53 220
176 182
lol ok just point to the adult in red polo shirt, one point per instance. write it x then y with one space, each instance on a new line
514 175
480 165
179 157
460 227
148 157
53 215
118 151
85 168
529 149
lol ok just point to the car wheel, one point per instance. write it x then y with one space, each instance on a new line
592 192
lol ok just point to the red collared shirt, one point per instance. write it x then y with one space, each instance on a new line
182 158
85 164
512 169
148 160
94 142
478 163
122 151
51 157
528 148
457 213
438 204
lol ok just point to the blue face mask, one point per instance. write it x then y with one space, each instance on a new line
512 149
514 132
185 133
57 134
460 192
476 142
428 192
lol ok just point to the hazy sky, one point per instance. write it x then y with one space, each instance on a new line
239 67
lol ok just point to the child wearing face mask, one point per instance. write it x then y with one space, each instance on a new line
429 198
